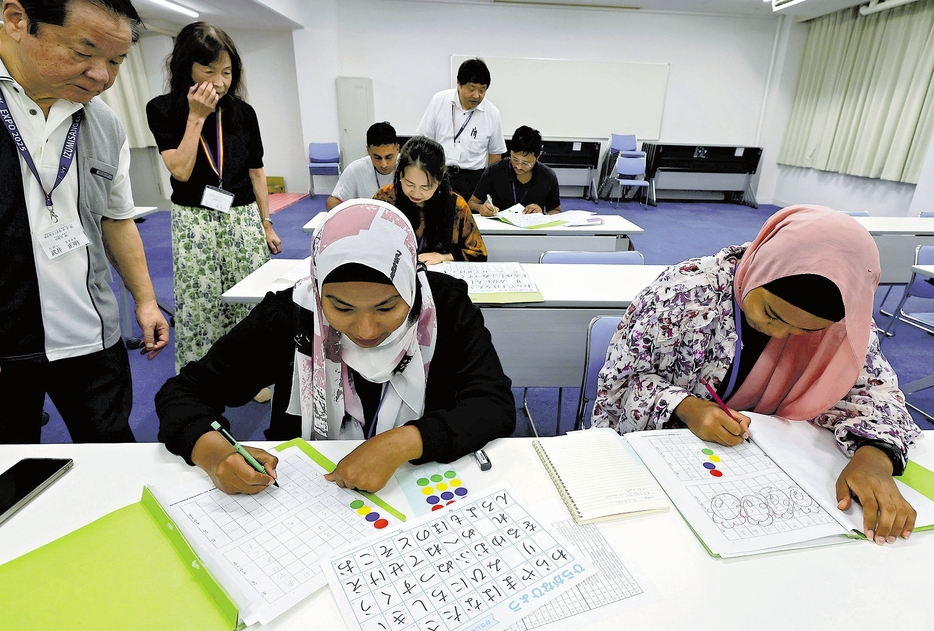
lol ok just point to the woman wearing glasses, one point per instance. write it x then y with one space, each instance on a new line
522 180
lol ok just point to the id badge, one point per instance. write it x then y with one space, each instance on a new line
217 199
63 239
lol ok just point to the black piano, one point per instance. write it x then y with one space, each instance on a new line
575 164
701 172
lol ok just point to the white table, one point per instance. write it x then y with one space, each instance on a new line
541 344
897 239
508 243
846 587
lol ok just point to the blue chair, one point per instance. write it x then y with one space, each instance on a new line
323 159
624 145
856 213
599 333
631 257
926 213
630 171
918 287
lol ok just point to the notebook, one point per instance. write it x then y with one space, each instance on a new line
598 477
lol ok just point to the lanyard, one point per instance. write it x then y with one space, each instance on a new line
382 397
216 164
464 126
376 173
734 369
64 163
519 201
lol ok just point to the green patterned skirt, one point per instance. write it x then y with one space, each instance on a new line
212 252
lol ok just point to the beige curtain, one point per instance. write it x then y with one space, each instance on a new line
864 100
128 97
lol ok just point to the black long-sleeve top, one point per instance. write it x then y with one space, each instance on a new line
468 397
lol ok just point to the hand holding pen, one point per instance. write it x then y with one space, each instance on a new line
707 420
232 470
743 422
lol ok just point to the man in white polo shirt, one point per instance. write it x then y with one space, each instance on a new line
467 125
366 175
65 211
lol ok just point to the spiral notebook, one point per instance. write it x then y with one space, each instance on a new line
598 477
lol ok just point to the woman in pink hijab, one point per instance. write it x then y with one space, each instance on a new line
780 326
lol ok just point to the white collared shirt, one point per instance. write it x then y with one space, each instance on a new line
72 323
482 135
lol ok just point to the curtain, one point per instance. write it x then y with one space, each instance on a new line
128 97
864 100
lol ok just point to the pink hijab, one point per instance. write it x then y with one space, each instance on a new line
805 375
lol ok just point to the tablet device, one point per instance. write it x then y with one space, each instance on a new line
26 479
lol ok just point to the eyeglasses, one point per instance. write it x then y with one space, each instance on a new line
517 161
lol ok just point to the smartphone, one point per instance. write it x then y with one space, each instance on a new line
26 479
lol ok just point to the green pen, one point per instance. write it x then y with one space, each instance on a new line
253 462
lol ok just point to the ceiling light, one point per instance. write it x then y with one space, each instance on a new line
175 7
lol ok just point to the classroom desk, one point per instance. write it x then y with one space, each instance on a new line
897 238
541 344
506 243
853 586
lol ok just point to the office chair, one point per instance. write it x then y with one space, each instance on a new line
599 333
323 159
924 214
918 287
856 213
625 145
631 257
630 171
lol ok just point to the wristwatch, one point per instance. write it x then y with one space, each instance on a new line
267 220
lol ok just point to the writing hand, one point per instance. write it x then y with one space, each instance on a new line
202 99
532 209
708 421
488 210
370 465
868 477
227 468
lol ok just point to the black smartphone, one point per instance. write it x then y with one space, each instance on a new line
26 479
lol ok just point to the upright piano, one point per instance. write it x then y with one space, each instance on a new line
575 164
700 172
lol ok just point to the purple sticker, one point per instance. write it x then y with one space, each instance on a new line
447 495
709 465
432 499
461 491
372 516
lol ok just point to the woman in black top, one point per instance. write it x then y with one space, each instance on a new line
210 141
382 350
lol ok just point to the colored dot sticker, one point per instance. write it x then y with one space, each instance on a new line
451 502
460 491
714 458
437 507
432 499
364 511
447 495
356 504
715 473
709 465
373 516
380 523
423 481
441 486
427 490
455 483
707 452
436 478
449 474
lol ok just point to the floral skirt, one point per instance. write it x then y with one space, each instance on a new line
212 252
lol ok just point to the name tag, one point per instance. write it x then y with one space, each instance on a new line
63 239
217 199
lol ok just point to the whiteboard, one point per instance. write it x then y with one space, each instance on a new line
576 99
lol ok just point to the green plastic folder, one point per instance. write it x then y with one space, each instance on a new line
130 569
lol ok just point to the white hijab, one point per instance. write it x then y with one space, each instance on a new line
371 233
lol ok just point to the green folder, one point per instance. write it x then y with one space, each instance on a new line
130 569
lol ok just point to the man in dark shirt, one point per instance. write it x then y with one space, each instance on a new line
522 180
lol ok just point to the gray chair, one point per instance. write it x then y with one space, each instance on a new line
630 257
856 213
924 214
918 287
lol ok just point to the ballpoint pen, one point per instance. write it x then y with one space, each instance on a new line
253 462
720 402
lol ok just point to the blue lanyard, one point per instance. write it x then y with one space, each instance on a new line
519 201
734 369
64 163
382 397
464 126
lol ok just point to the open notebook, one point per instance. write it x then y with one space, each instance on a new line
774 492
597 476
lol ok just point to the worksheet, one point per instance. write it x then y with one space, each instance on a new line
489 278
266 549
478 564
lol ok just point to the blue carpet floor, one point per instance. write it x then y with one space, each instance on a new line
673 232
